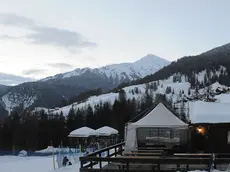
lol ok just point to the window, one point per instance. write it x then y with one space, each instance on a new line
164 132
152 132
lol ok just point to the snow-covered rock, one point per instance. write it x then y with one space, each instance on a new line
22 153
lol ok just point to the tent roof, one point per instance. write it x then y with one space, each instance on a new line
106 131
83 132
209 112
160 116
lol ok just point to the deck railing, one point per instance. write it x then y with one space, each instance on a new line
87 161
181 161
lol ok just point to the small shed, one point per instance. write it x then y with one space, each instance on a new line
108 135
159 126
209 127
83 136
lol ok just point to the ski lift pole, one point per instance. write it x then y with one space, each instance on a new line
80 149
53 156
59 148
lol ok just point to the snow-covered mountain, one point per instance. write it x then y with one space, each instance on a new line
179 92
188 79
52 91
118 73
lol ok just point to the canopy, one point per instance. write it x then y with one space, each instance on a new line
159 117
106 131
209 112
83 132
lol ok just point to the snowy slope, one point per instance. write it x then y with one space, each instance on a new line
143 67
179 91
111 97
13 100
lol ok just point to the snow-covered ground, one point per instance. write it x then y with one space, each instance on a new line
26 164
34 164
37 164
40 164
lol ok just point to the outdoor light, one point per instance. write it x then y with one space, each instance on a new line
199 129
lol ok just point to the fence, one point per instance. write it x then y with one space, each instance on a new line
86 161
175 162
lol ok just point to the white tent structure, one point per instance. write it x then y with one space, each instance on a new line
83 132
106 131
159 117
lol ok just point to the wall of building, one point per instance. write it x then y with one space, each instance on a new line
212 138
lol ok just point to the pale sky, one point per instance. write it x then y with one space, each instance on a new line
39 38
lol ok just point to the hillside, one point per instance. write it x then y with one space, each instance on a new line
3 88
59 89
174 92
211 60
187 79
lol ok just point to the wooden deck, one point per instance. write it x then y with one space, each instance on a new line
149 167
150 161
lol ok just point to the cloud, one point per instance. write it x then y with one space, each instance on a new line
33 72
15 20
46 34
9 79
59 37
7 37
61 65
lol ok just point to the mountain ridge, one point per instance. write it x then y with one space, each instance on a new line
50 92
191 74
119 68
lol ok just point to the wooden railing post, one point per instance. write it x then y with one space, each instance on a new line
115 151
100 164
108 155
119 150
82 164
91 164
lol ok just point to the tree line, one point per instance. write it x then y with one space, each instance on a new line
36 130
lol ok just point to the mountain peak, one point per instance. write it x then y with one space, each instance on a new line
150 59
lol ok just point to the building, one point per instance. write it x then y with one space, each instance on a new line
209 127
159 126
